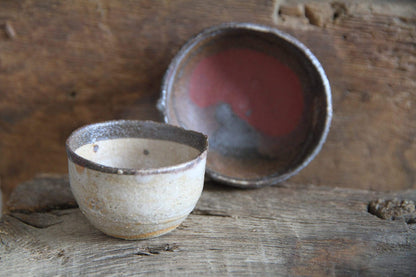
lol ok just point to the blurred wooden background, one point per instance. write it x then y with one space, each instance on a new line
64 64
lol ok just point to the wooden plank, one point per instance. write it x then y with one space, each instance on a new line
44 193
279 231
367 50
65 64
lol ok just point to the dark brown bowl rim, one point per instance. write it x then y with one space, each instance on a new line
191 138
215 30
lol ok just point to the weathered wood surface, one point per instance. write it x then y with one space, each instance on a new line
67 63
279 231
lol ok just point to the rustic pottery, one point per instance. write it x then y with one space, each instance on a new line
259 94
136 179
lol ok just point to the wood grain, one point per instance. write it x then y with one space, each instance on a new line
66 64
279 231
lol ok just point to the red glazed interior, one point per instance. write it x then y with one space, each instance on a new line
259 99
259 89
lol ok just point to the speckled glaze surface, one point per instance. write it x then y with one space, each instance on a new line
143 201
259 94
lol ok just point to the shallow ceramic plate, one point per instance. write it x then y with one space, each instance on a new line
259 94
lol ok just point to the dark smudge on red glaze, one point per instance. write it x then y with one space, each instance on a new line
259 89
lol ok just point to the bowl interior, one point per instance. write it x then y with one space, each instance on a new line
135 146
259 97
137 153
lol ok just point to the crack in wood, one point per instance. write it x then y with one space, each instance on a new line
47 209
208 212
263 217
141 253
156 250
37 220
119 253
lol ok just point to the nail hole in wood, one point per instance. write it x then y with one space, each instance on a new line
73 94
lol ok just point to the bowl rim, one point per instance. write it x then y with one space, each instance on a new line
168 81
86 163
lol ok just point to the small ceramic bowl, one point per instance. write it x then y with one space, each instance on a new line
259 94
136 179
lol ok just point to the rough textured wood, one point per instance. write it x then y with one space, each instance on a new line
368 50
64 64
43 193
279 231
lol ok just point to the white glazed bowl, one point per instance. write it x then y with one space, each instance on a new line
136 179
